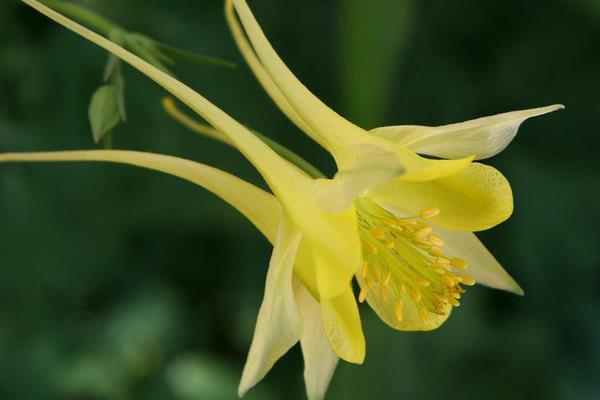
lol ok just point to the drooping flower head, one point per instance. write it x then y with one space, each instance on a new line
415 215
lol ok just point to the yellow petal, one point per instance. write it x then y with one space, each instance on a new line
481 263
477 198
324 125
319 359
342 326
295 190
483 137
279 324
260 207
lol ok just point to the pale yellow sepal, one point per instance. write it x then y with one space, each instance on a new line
476 198
483 137
279 323
319 359
341 322
260 207
324 125
482 265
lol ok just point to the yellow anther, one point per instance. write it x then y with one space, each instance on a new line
384 292
440 297
445 267
378 234
442 260
448 281
422 243
369 248
454 302
419 280
424 314
388 277
362 296
403 287
423 232
399 310
374 274
459 263
438 311
468 280
365 270
389 222
415 294
390 244
429 213
456 295
406 222
435 251
436 240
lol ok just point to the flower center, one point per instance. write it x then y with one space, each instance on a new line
406 276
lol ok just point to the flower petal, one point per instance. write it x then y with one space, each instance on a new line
260 207
482 265
484 137
279 324
319 359
341 322
477 198
331 236
324 125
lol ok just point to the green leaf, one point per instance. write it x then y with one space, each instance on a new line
103 111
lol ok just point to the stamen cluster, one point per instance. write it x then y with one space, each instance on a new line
405 275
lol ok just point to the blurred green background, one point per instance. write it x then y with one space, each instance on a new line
120 283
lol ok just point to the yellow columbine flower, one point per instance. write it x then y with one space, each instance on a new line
318 226
415 215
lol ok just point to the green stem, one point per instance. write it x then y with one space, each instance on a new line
291 156
83 15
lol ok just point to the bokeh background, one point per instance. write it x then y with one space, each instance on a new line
120 283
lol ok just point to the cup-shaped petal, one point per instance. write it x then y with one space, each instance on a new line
476 198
